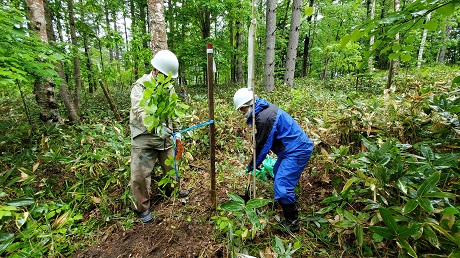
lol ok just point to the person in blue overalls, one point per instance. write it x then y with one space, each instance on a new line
279 132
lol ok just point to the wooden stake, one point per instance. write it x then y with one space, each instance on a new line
212 127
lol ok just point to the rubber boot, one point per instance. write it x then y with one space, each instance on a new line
291 216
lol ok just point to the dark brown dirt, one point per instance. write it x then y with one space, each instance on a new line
181 228
186 229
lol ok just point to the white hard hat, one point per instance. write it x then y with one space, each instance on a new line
243 97
165 61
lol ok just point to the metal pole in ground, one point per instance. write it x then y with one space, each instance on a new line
212 127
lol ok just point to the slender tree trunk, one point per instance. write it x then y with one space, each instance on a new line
326 67
394 64
64 92
293 43
285 18
109 98
442 51
270 36
76 60
115 28
126 33
89 66
143 6
381 61
205 25
422 44
107 24
306 45
134 29
44 90
282 26
233 58
239 59
157 26
372 39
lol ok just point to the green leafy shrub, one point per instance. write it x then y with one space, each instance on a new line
160 104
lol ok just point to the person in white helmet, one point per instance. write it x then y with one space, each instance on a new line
278 132
148 148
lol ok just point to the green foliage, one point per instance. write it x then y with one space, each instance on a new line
456 81
61 188
409 184
390 160
160 103
23 57
235 225
409 18
285 251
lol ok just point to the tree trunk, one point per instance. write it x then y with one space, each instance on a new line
282 26
442 51
239 59
422 44
157 26
89 66
134 25
44 90
76 60
64 92
115 28
394 64
144 26
306 45
204 15
109 98
293 43
372 39
107 25
233 58
270 36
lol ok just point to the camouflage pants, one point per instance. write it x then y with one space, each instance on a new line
144 155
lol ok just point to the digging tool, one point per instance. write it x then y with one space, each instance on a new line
247 193
178 151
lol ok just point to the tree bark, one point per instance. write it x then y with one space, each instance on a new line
233 57
107 24
239 59
442 51
394 64
157 25
76 60
306 45
270 38
64 92
293 43
372 39
43 89
109 98
89 65
422 44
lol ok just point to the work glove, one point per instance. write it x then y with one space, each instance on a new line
179 149
165 132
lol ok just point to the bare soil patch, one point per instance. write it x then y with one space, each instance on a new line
183 228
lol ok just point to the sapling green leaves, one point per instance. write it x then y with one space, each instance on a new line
161 103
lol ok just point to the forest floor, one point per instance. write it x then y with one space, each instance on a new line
184 228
